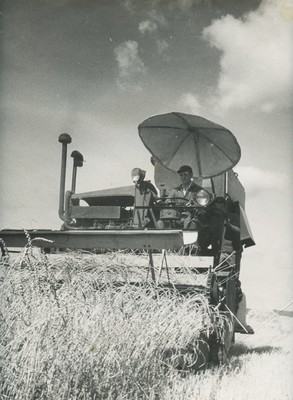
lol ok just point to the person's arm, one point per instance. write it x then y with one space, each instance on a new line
172 193
234 223
152 188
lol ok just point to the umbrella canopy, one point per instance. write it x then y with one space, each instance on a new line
176 139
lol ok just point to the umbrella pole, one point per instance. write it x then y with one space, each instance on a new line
226 184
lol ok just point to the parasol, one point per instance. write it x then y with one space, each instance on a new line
176 139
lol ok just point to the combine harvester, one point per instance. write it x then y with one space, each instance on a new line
199 257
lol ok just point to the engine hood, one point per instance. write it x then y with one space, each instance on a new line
123 195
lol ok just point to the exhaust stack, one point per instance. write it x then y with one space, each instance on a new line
77 162
65 139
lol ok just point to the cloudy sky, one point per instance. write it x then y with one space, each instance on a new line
97 68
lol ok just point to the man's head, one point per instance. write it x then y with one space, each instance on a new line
185 173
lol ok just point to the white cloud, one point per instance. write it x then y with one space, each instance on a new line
187 4
152 24
162 46
129 5
159 18
147 26
267 107
256 180
128 58
190 101
256 61
130 65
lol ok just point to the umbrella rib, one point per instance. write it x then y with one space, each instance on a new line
172 127
191 129
179 144
214 144
178 148
196 141
178 115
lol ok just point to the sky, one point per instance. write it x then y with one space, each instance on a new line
97 69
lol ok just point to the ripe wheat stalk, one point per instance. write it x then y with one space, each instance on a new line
69 332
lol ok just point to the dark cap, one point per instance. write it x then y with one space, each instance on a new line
184 168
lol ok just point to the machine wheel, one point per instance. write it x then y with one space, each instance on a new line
220 342
212 290
218 354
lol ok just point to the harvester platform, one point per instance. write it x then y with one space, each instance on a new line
86 239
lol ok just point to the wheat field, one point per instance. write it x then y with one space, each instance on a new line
67 332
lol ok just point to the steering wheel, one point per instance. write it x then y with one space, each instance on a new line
172 203
176 198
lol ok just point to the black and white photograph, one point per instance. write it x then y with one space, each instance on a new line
146 222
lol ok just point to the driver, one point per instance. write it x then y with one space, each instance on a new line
184 194
187 188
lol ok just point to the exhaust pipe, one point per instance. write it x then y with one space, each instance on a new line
65 139
77 162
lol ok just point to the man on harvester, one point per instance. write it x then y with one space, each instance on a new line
183 195
188 187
